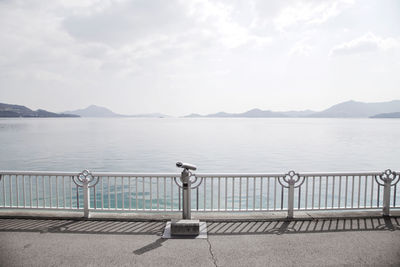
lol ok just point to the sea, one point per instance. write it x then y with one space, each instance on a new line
223 145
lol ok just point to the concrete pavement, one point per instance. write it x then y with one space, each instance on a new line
362 241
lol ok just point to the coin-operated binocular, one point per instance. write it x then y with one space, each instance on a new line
186 187
186 226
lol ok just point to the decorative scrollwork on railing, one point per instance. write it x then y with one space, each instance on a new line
192 181
291 178
85 177
387 176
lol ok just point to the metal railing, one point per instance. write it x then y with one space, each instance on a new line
156 192
292 191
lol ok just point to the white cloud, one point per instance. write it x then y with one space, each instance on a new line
366 43
142 30
301 48
87 7
72 43
124 22
309 13
217 18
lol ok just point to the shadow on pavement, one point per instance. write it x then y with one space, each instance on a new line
213 227
82 226
303 226
149 247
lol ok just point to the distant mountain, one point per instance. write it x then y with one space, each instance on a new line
258 113
354 109
15 111
349 109
393 115
97 111
255 113
193 115
93 111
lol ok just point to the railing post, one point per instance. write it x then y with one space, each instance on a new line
389 179
289 181
86 180
386 198
86 200
290 200
187 209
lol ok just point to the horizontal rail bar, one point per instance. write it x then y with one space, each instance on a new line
38 173
60 173
128 174
41 208
211 175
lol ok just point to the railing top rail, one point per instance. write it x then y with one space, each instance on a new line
112 174
205 175
46 173
208 175
129 174
359 173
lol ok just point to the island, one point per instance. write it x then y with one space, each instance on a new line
393 115
18 111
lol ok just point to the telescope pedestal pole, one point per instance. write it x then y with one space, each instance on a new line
186 226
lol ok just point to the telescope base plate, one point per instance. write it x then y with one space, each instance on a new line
185 229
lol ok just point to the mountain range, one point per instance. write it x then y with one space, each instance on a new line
393 115
256 113
97 111
15 111
348 109
359 109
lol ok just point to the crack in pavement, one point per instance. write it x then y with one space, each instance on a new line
212 253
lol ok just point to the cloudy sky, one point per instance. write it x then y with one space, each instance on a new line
180 56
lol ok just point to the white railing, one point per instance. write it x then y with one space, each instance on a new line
310 191
156 192
39 190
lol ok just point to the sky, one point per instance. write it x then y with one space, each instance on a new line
179 56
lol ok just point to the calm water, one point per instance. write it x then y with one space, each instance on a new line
214 145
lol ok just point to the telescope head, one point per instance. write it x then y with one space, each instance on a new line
186 166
